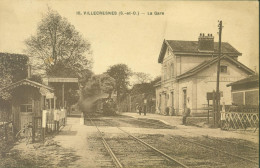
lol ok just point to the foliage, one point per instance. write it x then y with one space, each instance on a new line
58 48
61 51
91 89
121 74
107 84
155 80
73 96
99 84
142 89
142 77
13 67
84 76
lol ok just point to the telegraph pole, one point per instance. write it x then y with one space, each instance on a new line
218 71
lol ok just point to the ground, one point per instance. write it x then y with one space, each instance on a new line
79 145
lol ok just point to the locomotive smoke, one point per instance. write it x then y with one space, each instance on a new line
86 105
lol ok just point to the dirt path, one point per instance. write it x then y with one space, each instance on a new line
67 149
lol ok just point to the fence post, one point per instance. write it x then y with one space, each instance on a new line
33 130
6 133
58 126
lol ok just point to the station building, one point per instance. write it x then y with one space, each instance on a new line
189 72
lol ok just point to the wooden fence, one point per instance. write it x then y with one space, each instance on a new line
239 120
50 122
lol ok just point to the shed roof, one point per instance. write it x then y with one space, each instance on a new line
25 82
63 80
191 47
72 82
253 78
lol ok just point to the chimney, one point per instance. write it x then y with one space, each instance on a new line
206 43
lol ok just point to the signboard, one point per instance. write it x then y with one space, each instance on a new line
49 95
210 95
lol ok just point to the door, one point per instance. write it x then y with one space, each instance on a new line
184 98
26 114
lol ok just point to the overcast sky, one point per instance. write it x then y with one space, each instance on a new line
136 40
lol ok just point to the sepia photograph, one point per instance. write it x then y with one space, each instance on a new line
129 84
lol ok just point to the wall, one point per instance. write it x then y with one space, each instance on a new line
185 63
206 82
25 95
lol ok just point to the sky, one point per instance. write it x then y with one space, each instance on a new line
137 40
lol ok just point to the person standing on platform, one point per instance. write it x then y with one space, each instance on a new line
140 109
186 112
137 108
144 109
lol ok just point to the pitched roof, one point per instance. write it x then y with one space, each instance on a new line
206 64
25 82
191 47
253 78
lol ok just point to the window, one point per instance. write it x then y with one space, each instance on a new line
26 108
172 95
251 97
172 70
165 72
238 98
168 72
223 69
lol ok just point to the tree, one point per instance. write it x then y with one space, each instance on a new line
142 77
58 48
98 85
60 51
13 67
84 76
121 73
107 84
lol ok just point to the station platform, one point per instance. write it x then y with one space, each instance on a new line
176 121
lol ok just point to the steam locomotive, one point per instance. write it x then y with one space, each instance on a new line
105 106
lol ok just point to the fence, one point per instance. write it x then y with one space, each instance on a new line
50 122
239 120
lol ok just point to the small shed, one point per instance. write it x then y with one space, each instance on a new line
28 101
245 91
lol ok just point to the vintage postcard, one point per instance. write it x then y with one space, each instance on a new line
139 84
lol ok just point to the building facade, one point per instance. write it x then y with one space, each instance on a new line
189 72
245 91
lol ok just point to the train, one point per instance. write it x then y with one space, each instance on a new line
105 106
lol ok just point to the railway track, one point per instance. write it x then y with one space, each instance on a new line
125 152
252 158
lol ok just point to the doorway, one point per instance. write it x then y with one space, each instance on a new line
184 98
26 114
